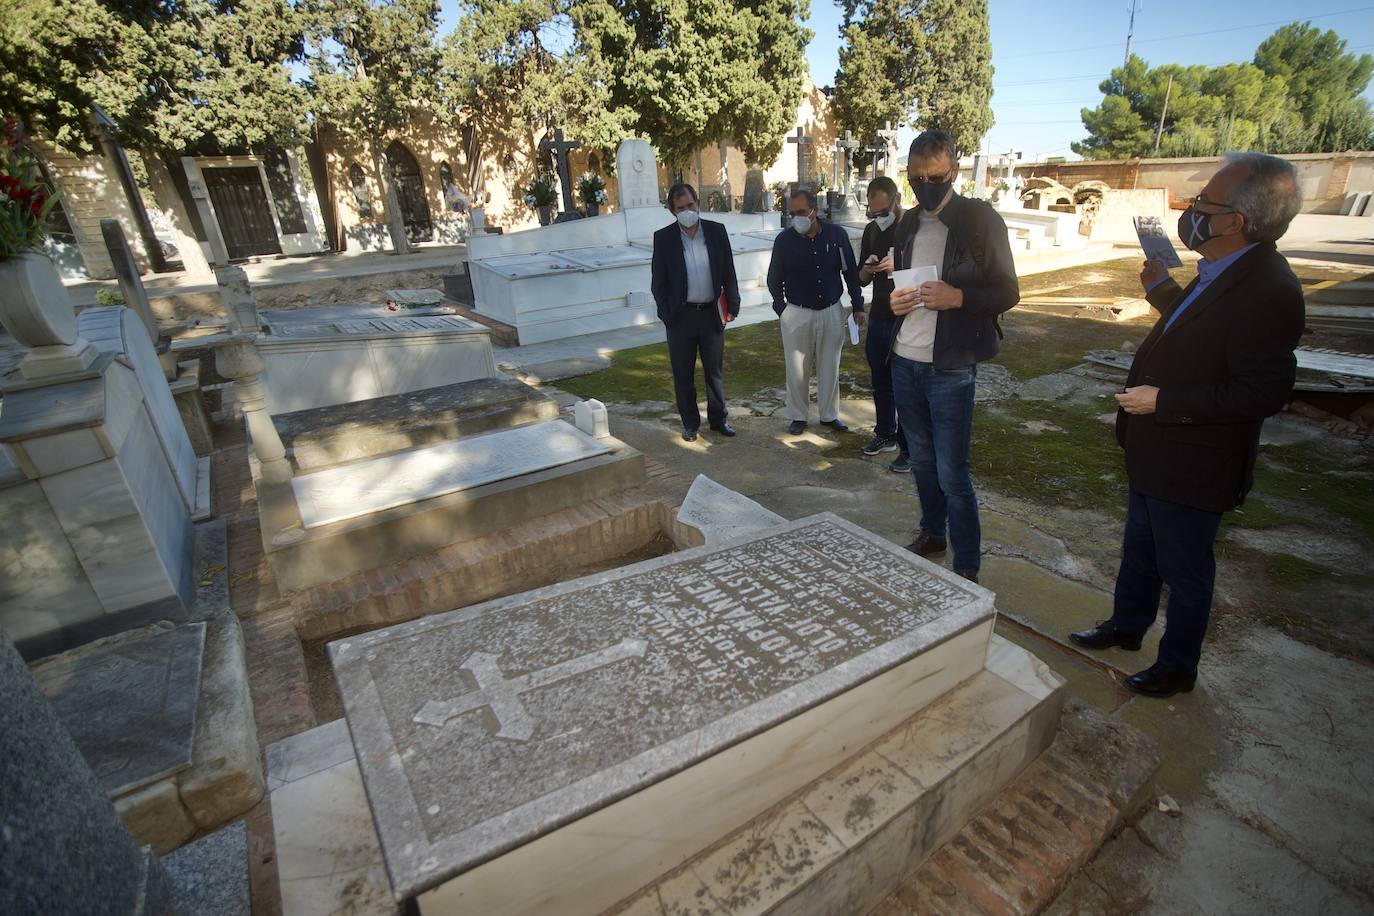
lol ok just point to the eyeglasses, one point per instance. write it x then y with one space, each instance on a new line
933 179
1225 208
806 212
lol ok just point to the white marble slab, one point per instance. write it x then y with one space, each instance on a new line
720 513
332 358
638 715
118 330
328 858
606 257
364 487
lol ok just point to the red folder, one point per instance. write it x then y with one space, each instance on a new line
724 305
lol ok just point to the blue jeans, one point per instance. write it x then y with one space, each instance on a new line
936 411
877 344
1167 543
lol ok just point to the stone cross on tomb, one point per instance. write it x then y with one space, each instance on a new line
887 137
802 142
878 147
502 694
561 148
843 146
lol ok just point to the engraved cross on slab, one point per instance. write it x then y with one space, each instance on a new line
502 694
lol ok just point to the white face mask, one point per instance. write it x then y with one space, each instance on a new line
885 221
802 224
687 218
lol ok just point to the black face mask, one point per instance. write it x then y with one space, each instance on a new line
931 194
1195 227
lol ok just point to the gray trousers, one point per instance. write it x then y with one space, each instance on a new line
813 337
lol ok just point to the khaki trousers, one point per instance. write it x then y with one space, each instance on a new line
813 337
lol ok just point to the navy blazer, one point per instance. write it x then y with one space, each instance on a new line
668 280
1225 365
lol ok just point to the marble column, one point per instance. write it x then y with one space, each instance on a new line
237 358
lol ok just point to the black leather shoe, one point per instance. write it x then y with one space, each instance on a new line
1158 681
837 425
725 429
1104 636
969 574
796 427
927 545
689 435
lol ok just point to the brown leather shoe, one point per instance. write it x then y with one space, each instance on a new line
927 545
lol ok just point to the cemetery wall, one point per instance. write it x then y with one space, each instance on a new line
1325 177
91 191
432 145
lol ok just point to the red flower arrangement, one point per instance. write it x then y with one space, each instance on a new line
25 200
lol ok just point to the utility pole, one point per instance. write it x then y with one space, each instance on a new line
1130 31
1159 132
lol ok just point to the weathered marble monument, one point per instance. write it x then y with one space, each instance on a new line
565 748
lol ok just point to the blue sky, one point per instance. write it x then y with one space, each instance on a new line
1050 59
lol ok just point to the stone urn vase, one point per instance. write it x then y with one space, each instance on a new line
545 215
593 209
38 313
479 219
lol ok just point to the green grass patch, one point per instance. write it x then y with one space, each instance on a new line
1038 343
753 360
1285 570
1257 514
1323 475
1079 465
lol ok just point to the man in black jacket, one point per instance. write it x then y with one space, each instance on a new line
692 267
875 267
944 328
1219 360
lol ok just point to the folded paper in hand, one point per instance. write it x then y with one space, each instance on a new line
913 277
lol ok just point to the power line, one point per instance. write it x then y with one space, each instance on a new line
1238 28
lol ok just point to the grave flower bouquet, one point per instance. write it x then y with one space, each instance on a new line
25 199
591 189
540 193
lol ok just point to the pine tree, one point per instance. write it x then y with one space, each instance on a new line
374 65
956 71
196 76
926 63
882 43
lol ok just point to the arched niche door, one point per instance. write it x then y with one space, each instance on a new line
410 190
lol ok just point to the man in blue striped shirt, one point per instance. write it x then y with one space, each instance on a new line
812 263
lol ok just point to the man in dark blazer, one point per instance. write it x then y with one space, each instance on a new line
692 267
1219 360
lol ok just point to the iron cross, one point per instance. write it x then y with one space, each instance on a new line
502 694
561 148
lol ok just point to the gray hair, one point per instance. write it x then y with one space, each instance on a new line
1268 195
809 194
